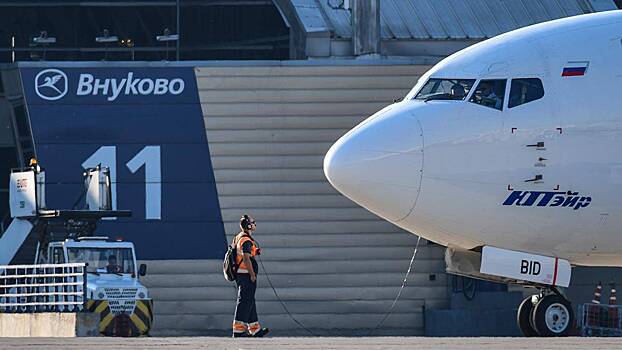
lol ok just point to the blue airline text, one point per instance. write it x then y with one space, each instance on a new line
548 199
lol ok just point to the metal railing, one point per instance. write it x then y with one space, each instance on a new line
42 288
600 320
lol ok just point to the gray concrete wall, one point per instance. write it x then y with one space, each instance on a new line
336 266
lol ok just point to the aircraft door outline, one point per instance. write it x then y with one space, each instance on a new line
534 133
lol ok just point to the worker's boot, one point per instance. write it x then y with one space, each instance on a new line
260 333
241 335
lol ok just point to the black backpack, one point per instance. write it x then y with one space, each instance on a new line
229 266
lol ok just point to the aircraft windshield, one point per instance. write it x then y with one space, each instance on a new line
445 89
103 260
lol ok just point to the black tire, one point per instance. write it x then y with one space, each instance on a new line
553 317
523 318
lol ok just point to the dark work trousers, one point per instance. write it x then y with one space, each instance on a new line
245 310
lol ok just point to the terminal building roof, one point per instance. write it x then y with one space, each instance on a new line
424 27
418 30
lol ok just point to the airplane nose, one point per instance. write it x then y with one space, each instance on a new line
379 164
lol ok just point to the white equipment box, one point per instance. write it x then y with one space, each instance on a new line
23 194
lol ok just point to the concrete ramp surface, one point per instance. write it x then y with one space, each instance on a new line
385 343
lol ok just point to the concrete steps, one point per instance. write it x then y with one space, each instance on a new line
298 95
283 321
294 226
319 70
297 307
335 265
362 280
305 267
284 201
337 240
300 293
309 82
248 122
276 135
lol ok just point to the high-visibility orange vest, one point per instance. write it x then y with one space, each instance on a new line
239 241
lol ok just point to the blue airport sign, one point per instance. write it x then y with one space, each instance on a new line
146 125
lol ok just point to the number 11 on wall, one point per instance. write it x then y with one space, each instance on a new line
149 157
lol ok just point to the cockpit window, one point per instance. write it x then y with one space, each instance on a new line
525 90
490 93
445 89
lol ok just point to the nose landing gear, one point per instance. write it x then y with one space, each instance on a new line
523 318
545 315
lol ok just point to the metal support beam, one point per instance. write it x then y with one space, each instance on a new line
366 27
134 3
177 42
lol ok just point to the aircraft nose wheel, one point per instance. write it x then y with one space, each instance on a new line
552 316
523 318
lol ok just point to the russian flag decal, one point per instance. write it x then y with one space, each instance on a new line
575 69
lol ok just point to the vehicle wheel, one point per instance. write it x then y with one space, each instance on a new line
523 318
553 316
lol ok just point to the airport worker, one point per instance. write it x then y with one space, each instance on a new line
34 164
245 322
112 266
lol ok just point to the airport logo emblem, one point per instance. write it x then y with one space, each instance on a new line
51 84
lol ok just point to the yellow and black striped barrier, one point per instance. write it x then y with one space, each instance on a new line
136 324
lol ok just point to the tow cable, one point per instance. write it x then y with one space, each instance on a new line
384 318
399 293
281 301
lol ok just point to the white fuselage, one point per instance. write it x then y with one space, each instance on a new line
443 169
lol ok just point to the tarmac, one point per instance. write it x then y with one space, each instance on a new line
369 343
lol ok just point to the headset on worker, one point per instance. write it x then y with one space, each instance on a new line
246 223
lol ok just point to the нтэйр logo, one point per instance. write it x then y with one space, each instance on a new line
51 84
